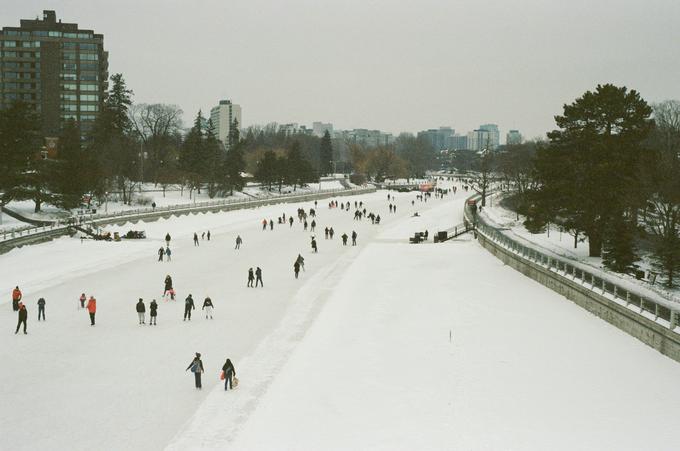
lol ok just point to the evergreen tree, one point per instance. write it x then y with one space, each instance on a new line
214 160
267 169
233 164
326 154
72 162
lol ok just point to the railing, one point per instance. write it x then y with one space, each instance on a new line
662 311
60 227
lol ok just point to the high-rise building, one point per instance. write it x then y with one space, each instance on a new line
458 142
494 137
320 128
438 138
58 68
479 140
513 137
223 117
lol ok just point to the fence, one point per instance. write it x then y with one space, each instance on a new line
18 237
655 308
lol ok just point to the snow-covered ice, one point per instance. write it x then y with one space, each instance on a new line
353 355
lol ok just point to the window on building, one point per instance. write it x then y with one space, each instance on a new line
69 107
89 108
85 46
87 117
69 97
84 36
11 85
69 87
10 44
39 33
88 87
10 75
68 45
69 66
89 77
68 116
69 76
10 96
54 34
9 54
68 55
89 98
10 65
71 35
89 66
89 57
29 44
11 32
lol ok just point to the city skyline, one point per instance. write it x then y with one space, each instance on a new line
382 65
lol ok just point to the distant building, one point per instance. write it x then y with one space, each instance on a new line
289 129
458 142
494 136
57 68
320 128
440 138
513 137
222 117
365 137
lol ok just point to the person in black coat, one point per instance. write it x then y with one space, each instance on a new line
258 277
153 312
23 316
251 277
161 252
188 307
229 373
196 367
141 310
354 238
296 268
41 308
168 287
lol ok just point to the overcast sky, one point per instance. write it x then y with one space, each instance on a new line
391 65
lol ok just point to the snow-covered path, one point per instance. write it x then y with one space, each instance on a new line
119 385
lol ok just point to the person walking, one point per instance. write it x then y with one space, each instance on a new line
229 372
208 307
296 268
325 233
168 288
238 242
141 310
354 238
92 309
314 249
153 312
161 252
168 254
208 235
251 277
82 300
344 239
313 225
196 367
41 308
301 260
167 239
258 275
23 317
188 307
16 297
195 239
290 221
331 232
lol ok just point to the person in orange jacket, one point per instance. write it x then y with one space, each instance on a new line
16 297
92 308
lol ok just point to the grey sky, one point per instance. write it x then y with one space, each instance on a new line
392 65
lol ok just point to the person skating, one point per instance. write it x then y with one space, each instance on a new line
141 310
188 307
196 367
258 276
229 372
161 252
82 300
264 224
313 225
23 317
168 254
238 242
208 235
301 260
16 297
153 312
354 238
168 288
167 239
271 224
314 249
92 309
41 308
304 224
344 239
296 268
290 221
195 239
331 232
203 235
251 277
208 307
325 233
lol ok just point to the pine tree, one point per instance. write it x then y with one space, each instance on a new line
233 164
214 160
326 154
72 180
267 169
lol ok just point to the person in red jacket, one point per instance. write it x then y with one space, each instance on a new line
92 308
16 297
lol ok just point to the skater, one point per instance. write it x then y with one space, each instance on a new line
23 317
394 209
168 288
161 252
314 249
141 309
313 225
290 221
92 309
153 206
305 224
16 297
344 239
301 260
251 277
167 239
41 308
195 239
264 224
238 242
296 268
271 224
354 238
208 235
258 275
153 312
168 254
377 219
228 371
208 307
188 307
82 300
331 232
196 367
203 235
325 233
